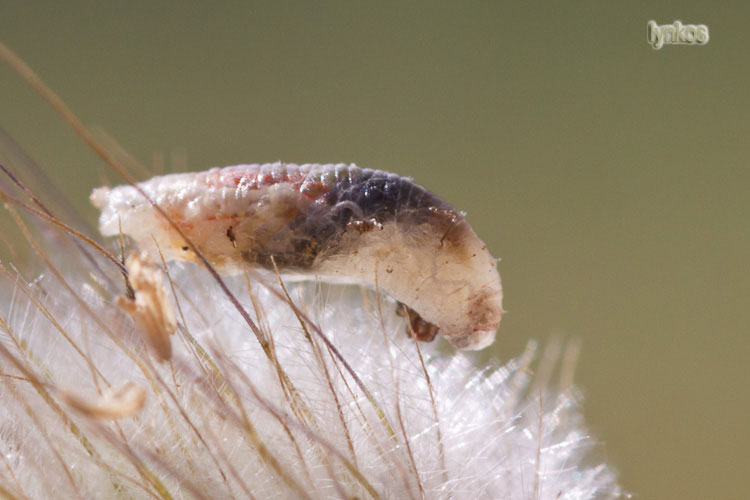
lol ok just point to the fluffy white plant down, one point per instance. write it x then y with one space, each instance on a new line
225 419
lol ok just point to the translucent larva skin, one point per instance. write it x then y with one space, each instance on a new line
339 223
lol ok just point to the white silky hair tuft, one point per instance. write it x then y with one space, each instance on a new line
230 416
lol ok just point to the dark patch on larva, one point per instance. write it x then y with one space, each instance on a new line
382 196
299 255
364 199
422 330
352 202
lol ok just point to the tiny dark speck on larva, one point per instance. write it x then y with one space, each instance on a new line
339 223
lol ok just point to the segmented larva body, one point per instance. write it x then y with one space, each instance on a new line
338 223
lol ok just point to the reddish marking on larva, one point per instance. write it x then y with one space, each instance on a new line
313 190
334 222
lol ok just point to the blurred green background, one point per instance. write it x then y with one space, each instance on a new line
612 179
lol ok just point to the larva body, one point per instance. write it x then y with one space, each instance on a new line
340 223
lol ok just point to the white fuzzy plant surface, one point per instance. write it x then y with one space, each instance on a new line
178 389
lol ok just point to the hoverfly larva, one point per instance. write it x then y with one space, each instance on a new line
340 223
